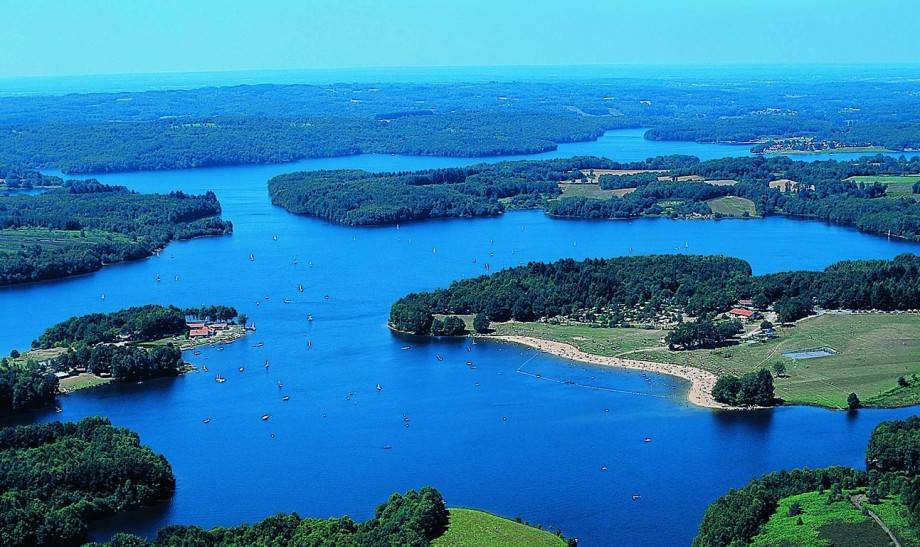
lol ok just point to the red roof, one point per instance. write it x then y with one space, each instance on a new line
741 312
199 332
195 325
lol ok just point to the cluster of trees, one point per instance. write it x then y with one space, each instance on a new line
700 285
411 520
24 387
702 333
891 469
85 224
753 388
212 313
136 324
538 290
123 362
449 326
56 477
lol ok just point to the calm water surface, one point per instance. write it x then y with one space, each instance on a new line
486 436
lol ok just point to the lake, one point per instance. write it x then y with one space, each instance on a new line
487 436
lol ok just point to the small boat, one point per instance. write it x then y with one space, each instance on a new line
469 363
469 349
300 288
285 398
379 387
387 447
280 385
204 368
406 348
206 421
603 468
439 357
266 364
258 345
103 296
635 497
196 353
252 257
242 369
309 344
309 317
294 261
265 417
288 301
326 297
58 409
274 238
219 379
647 440
220 348
158 278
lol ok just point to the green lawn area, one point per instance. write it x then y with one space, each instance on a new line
898 185
580 190
894 514
732 206
12 239
471 528
839 524
873 350
599 341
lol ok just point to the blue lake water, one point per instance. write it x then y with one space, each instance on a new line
488 436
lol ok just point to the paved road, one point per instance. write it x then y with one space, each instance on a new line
857 501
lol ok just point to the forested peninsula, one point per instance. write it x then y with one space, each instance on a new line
86 224
103 132
828 506
57 477
696 305
864 193
130 344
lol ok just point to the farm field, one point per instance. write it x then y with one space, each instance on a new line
13 239
898 185
589 190
732 206
471 528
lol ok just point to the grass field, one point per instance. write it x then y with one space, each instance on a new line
839 524
873 350
732 206
471 528
13 239
898 185
581 190
894 514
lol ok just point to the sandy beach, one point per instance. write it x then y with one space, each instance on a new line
701 381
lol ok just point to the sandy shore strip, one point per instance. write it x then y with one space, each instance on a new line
701 381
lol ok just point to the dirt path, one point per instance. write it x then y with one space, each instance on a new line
857 501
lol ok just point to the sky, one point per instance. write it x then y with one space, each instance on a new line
82 37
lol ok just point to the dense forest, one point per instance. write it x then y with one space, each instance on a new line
649 285
17 177
891 469
95 132
410 520
85 225
30 386
56 477
821 190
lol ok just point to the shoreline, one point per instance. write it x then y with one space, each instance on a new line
701 381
